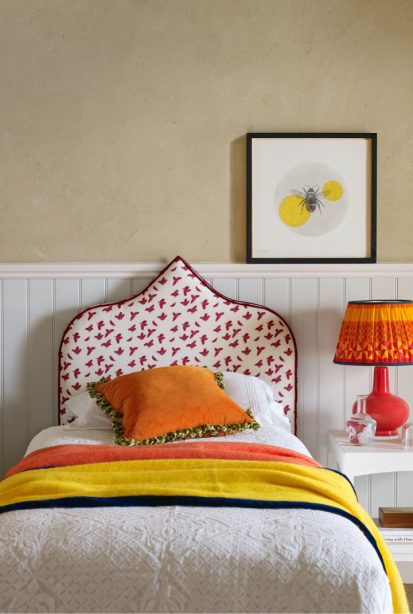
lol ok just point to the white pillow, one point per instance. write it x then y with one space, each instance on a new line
248 391
87 414
252 392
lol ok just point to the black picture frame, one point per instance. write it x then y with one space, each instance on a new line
257 160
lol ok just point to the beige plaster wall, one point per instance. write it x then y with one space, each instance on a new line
122 122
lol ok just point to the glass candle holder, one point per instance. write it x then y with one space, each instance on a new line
361 427
407 436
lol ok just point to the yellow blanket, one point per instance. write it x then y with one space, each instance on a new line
199 482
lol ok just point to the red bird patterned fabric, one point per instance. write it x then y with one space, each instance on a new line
178 320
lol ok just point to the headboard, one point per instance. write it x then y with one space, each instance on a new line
178 319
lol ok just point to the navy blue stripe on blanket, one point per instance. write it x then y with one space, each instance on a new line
158 500
343 475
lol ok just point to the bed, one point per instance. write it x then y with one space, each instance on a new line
180 554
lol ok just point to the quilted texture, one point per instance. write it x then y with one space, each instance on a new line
178 319
141 560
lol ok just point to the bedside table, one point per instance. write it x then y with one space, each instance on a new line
382 456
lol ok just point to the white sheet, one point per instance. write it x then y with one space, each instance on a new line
185 559
70 434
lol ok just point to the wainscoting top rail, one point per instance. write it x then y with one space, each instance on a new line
223 270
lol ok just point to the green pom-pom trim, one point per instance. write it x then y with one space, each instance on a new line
219 378
212 430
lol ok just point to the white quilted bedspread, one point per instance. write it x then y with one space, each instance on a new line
185 559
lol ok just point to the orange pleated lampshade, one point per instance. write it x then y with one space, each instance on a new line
376 333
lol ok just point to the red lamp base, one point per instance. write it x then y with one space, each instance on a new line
389 411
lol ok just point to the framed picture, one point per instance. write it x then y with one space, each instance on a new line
311 197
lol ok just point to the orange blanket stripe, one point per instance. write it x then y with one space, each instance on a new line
81 454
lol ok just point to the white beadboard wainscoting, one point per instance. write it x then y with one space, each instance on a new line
37 302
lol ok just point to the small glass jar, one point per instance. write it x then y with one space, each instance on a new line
407 436
360 427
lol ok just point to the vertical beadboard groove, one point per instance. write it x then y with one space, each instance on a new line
317 366
54 365
290 303
344 412
2 416
357 379
396 392
15 369
382 487
369 480
67 305
330 388
405 390
80 294
28 347
303 323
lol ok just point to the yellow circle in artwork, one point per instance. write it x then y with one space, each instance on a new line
332 190
292 212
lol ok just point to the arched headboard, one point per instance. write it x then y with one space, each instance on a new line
178 319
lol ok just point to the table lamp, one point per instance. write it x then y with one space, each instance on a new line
379 334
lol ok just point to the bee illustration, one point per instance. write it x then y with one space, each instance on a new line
310 198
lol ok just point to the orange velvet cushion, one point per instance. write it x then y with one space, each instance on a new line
169 403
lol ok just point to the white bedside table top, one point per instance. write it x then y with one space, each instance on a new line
382 456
